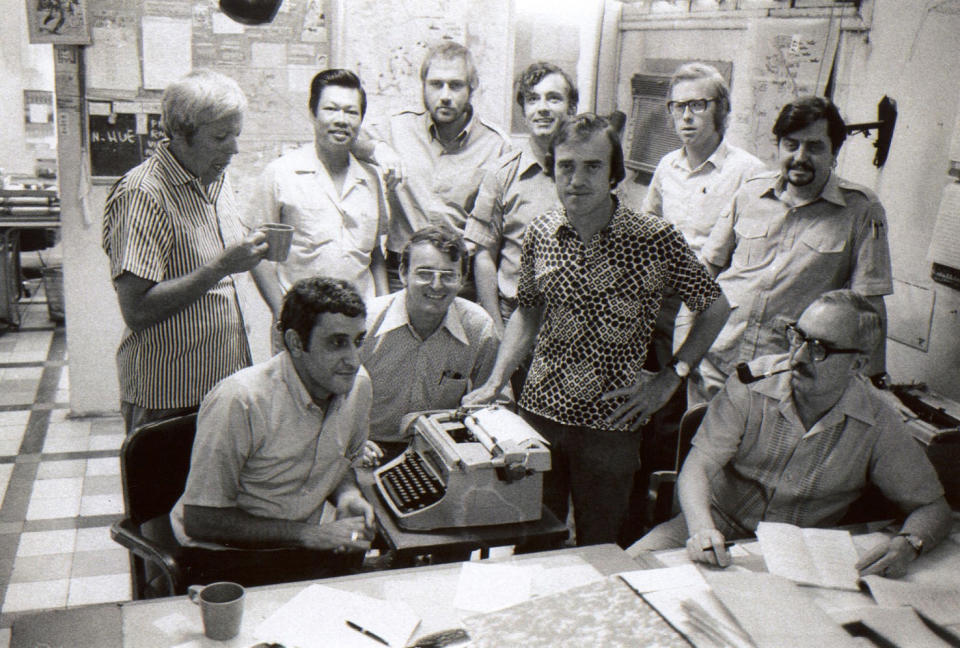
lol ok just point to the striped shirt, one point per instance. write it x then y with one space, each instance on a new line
160 223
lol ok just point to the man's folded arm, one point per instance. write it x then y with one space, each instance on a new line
693 489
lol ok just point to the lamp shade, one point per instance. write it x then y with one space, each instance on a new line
251 12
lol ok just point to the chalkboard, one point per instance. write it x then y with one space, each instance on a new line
117 144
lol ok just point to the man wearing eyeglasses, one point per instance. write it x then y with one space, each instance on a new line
789 237
800 445
426 347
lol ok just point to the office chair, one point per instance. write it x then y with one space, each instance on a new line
154 462
662 501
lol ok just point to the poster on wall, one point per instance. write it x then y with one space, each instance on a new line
63 22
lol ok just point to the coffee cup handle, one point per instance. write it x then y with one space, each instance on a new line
194 592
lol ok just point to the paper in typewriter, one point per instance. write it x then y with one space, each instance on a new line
821 557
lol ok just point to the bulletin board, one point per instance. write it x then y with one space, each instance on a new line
140 46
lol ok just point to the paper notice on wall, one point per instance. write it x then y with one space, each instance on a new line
783 59
945 248
110 63
167 46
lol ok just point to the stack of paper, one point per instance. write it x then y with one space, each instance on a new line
318 617
821 557
938 604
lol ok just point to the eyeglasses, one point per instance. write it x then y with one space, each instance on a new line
696 106
819 350
427 276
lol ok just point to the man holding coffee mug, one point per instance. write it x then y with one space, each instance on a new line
334 202
274 445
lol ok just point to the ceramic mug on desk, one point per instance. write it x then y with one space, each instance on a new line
221 605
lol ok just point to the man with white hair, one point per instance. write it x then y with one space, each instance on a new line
172 233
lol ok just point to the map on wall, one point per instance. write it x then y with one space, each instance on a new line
784 59
384 42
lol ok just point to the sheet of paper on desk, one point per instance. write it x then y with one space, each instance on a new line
900 626
486 587
939 604
317 618
821 557
682 597
775 612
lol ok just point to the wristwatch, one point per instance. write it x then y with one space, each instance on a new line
680 367
914 541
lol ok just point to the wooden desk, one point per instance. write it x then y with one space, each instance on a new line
431 593
546 533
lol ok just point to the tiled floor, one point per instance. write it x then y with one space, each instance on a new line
59 480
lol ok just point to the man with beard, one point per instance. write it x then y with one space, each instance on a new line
439 155
788 238
801 444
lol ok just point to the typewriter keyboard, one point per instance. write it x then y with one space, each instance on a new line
410 485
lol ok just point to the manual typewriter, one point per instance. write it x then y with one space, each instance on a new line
465 468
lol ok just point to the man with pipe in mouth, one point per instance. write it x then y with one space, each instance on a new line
787 238
800 442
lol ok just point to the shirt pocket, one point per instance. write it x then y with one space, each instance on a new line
753 247
448 392
824 242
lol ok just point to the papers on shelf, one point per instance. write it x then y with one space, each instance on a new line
821 557
317 617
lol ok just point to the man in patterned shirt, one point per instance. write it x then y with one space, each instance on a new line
174 239
800 446
592 278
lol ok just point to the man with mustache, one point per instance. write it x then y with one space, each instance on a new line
789 237
335 203
801 446
177 252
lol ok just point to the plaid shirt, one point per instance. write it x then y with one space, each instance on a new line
599 300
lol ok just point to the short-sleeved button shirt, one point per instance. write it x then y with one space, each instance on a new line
412 374
693 199
775 470
442 179
779 259
160 223
508 200
264 447
599 300
335 232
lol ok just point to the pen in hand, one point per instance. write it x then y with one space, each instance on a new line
366 632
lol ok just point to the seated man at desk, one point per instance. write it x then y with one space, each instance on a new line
799 444
275 442
426 347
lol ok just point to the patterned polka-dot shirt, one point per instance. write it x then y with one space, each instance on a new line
599 301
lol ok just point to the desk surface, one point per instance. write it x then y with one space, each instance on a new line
429 590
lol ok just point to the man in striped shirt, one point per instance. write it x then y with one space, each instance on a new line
174 239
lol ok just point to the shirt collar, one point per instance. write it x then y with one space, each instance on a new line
830 192
309 162
397 317
462 137
716 159
563 226
295 386
180 175
855 402
528 159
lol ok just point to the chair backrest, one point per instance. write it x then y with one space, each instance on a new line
154 462
689 425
